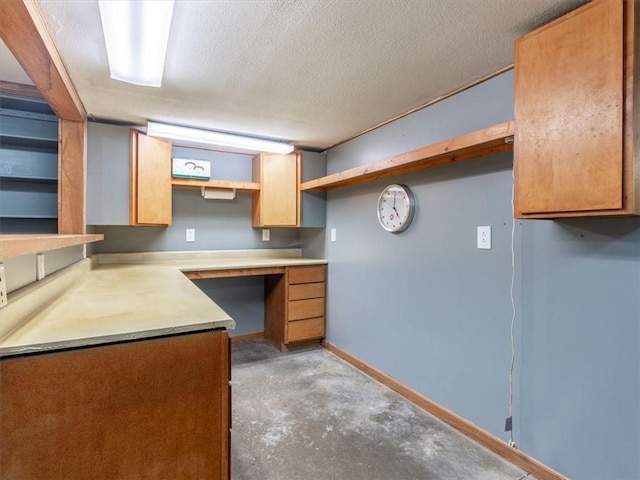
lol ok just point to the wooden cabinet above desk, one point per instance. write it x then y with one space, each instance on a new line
150 180
277 203
576 110
128 177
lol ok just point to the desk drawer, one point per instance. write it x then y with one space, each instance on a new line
306 290
305 329
300 309
311 274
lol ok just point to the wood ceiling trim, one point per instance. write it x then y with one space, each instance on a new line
24 30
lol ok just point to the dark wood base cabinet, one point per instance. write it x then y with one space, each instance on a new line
150 409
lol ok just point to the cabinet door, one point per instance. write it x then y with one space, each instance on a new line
569 113
150 180
155 408
277 202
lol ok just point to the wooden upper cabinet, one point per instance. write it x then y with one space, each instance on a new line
150 187
574 115
277 204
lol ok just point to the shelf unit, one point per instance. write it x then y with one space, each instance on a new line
28 166
193 183
494 139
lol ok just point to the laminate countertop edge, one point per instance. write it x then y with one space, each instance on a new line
117 302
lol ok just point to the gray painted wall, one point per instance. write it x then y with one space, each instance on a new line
314 204
219 225
242 298
428 308
108 172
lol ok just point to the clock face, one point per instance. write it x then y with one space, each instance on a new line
395 208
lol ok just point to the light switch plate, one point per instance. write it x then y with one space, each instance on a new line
333 235
484 238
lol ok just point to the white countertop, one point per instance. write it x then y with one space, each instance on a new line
132 296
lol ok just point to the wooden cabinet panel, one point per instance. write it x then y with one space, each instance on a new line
311 274
153 408
569 113
277 204
306 290
299 309
275 309
305 329
151 200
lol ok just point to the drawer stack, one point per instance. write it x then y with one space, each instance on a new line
305 303
294 306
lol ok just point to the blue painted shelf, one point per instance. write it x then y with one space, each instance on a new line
28 166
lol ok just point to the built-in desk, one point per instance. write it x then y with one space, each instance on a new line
294 300
126 373
142 295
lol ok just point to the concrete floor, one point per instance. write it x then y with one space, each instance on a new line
308 415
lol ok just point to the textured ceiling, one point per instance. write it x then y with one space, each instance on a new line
313 72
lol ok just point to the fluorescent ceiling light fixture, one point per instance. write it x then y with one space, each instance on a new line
207 137
136 33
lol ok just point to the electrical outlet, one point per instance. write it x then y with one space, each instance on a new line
40 266
3 287
508 424
333 234
191 235
266 235
484 238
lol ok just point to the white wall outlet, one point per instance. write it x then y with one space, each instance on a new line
3 287
266 235
484 238
191 235
333 235
40 266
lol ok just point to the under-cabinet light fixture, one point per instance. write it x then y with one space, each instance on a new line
208 137
136 33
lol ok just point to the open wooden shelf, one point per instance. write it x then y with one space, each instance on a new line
16 245
192 183
464 147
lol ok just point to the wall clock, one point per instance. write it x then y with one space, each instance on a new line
396 206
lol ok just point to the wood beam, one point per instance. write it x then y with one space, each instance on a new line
464 147
72 172
24 30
